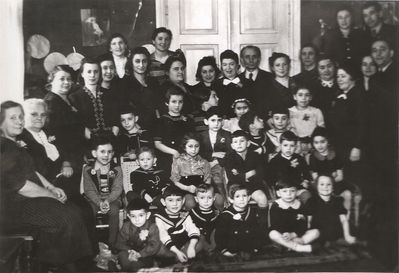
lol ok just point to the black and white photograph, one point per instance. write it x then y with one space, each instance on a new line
160 136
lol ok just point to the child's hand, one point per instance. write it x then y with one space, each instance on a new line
191 252
181 256
229 254
148 198
59 194
305 184
115 130
133 255
87 133
175 154
191 188
131 155
355 154
67 171
219 154
350 239
286 236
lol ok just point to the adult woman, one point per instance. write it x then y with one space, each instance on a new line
63 121
308 56
32 203
368 68
121 54
207 72
280 92
175 68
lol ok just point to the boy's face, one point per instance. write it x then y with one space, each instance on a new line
288 148
320 144
103 154
240 199
371 17
258 123
240 108
303 98
173 203
107 70
239 144
280 121
175 104
214 123
128 121
213 99
90 73
205 199
287 194
192 147
138 217
324 186
229 68
146 160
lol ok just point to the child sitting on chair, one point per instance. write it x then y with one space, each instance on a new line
138 240
102 184
287 220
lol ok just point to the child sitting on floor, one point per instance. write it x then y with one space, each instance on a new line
287 220
138 240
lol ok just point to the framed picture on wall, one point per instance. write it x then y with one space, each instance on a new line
95 26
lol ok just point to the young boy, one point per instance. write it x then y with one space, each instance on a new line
237 228
304 118
170 129
253 124
280 118
102 184
244 166
177 232
132 137
215 143
205 215
148 181
287 220
138 240
292 165
229 88
206 99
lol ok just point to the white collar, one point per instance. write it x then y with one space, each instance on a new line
236 81
295 205
385 67
254 74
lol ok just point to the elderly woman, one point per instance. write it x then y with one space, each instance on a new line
31 203
308 56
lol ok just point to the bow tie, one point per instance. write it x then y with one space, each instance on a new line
327 84
235 81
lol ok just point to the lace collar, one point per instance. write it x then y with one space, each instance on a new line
295 205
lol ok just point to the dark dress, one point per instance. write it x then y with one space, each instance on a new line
62 235
323 96
280 96
306 76
188 105
290 219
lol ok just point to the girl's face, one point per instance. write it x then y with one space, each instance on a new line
288 195
90 74
344 80
324 186
35 117
240 109
320 143
176 72
118 47
175 105
107 70
369 68
61 83
303 98
240 200
162 42
146 160
13 123
281 67
208 73
140 63
192 147
344 19
308 56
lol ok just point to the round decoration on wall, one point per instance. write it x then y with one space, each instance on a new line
74 60
38 46
54 59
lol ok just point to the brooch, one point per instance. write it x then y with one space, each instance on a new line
294 163
342 96
237 216
234 171
143 234
93 171
222 140
51 139
22 144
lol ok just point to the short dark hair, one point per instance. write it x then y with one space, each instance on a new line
236 187
214 111
320 131
284 182
118 35
100 140
280 110
288 136
161 30
374 4
128 109
300 87
207 60
137 204
202 94
88 60
172 190
240 133
140 50
202 188
348 68
257 50
246 120
145 149
325 175
229 54
344 7
312 46
172 59
186 138
277 55
173 91
103 58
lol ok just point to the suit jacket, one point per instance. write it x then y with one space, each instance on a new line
387 32
223 144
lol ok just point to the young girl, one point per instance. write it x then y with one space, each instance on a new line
323 160
240 106
326 212
190 170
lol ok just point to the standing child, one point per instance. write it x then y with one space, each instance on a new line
178 234
240 107
244 166
204 215
279 124
237 228
304 118
190 170
287 220
138 240
324 160
103 185
292 165
148 181
170 129
326 212
206 98
215 144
